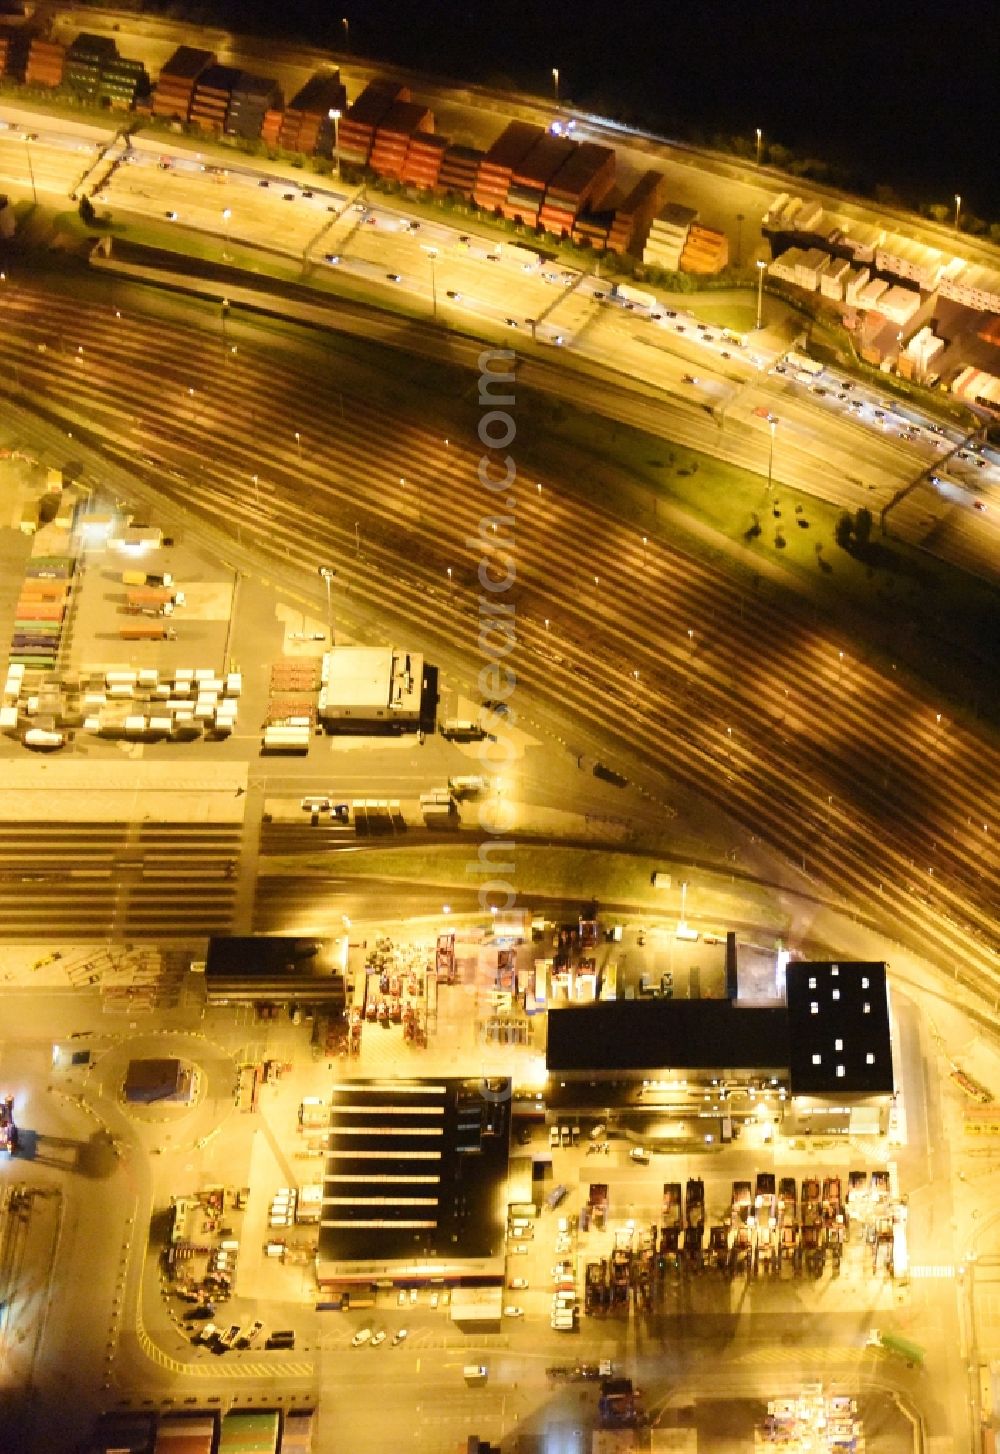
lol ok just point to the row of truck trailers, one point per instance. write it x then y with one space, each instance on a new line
238 1432
770 1228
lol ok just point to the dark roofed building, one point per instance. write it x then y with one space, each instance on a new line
822 1061
638 1035
838 1022
274 969
416 1169
148 1081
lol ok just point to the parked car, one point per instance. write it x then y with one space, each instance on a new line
513 1312
361 1337
518 1282
398 1337
378 1337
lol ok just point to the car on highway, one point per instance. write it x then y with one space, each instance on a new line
378 1337
454 293
171 216
398 1337
688 379
559 340
464 238
513 1312
510 322
518 1250
361 1337
288 196
333 258
639 1154
263 182
393 277
307 193
978 505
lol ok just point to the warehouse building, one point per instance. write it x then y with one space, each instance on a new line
415 1184
368 689
274 969
822 1060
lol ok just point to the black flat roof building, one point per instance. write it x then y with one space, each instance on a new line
642 1035
838 1029
831 1037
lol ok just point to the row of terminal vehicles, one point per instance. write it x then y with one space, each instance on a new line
771 1230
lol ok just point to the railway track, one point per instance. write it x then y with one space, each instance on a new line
836 764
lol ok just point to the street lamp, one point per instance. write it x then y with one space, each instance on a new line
760 138
347 33
958 209
327 574
555 82
31 171
772 425
761 265
432 253
298 443
227 213
334 116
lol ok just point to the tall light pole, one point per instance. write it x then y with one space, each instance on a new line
958 209
334 116
347 32
761 265
555 82
772 425
760 138
226 215
327 575
432 253
31 171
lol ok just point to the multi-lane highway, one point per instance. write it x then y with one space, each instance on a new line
845 768
846 445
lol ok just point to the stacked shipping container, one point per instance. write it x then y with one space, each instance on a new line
252 98
424 159
46 62
41 610
668 235
297 1434
186 1434
403 120
249 1433
497 167
178 79
306 125
586 175
632 219
212 95
706 250
364 116
460 167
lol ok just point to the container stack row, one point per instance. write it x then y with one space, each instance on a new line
42 607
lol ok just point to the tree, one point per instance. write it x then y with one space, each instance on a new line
87 214
863 527
843 531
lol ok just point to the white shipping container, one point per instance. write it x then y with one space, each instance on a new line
121 678
134 726
119 690
8 719
148 676
160 724
234 684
